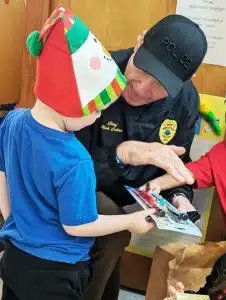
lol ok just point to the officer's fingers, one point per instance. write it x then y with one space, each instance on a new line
171 170
181 169
180 287
167 160
178 150
140 36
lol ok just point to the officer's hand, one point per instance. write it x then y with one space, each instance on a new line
183 204
140 39
172 291
162 156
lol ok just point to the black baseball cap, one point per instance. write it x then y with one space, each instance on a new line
172 51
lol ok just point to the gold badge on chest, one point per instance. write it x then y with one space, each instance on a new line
167 131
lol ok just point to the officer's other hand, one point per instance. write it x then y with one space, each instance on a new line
140 40
183 204
162 156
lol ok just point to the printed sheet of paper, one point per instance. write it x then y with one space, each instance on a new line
171 220
210 15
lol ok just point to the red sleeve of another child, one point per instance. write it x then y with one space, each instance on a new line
202 171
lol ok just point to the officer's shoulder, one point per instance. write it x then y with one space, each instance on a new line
121 57
189 96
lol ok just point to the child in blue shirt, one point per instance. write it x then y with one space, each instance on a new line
47 179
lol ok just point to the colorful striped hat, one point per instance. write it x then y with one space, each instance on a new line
76 76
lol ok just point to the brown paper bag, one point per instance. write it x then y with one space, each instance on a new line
191 297
189 264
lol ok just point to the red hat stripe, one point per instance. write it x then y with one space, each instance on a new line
116 87
92 107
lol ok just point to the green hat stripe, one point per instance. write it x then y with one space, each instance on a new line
120 81
105 97
121 76
77 35
98 101
111 92
86 111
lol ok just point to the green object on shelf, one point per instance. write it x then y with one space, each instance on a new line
214 123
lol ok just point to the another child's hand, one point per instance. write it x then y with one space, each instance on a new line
151 187
172 291
138 222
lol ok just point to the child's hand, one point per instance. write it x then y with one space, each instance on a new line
138 223
172 291
151 187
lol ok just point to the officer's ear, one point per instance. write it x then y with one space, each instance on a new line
140 39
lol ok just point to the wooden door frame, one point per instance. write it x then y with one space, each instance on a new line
37 11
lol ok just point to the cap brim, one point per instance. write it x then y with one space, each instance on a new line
148 63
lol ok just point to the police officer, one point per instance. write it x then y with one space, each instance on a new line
159 107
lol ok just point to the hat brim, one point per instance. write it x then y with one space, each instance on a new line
148 63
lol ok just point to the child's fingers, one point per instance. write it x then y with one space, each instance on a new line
153 188
143 187
156 189
150 187
180 287
172 291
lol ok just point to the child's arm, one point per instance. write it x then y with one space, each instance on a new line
104 225
166 182
76 194
4 201
201 171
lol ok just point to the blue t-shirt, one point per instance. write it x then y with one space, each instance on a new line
51 182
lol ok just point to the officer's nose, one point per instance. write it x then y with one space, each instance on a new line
146 85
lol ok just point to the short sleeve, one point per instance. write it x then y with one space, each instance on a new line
2 169
202 171
76 194
2 164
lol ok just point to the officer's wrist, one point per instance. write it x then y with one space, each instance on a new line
120 163
119 155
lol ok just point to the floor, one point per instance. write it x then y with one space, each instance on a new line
125 295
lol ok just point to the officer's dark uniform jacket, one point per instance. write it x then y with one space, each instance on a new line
122 122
